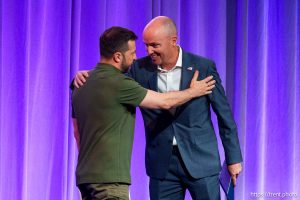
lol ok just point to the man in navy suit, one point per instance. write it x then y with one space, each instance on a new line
181 145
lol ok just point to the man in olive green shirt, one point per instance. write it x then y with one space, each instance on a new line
104 115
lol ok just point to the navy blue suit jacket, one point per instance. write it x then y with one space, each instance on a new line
191 124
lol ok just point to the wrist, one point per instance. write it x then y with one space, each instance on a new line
191 93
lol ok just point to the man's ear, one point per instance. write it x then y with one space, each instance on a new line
117 57
174 40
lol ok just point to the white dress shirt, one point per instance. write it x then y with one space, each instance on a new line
169 80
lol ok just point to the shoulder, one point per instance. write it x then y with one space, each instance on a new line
196 59
204 65
141 69
144 63
125 81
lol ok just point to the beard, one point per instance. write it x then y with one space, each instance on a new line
124 65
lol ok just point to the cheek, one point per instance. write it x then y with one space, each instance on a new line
161 53
157 51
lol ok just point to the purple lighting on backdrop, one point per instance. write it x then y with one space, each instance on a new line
255 45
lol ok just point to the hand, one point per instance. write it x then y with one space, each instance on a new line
234 170
80 78
202 87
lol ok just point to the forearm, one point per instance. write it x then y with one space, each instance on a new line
156 100
176 98
76 132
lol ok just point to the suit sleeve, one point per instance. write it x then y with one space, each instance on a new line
226 123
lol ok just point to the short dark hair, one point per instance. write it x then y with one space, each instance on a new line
115 39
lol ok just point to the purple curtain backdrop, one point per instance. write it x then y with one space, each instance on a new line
43 43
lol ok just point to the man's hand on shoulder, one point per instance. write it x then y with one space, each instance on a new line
80 78
235 170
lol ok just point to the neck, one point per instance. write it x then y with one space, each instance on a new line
110 62
173 59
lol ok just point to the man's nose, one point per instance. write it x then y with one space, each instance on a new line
149 50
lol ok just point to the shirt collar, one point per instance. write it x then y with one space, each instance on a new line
177 65
179 60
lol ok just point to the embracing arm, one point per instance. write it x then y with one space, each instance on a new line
79 79
76 132
156 100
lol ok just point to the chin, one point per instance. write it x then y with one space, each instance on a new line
157 62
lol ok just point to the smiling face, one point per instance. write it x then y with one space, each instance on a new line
160 43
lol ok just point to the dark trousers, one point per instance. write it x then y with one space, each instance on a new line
178 180
105 191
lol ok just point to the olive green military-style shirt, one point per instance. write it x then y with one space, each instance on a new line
105 111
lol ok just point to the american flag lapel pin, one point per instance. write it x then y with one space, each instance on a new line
190 68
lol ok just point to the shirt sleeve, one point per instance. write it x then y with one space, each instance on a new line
130 92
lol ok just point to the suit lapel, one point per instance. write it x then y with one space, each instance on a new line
153 79
187 72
